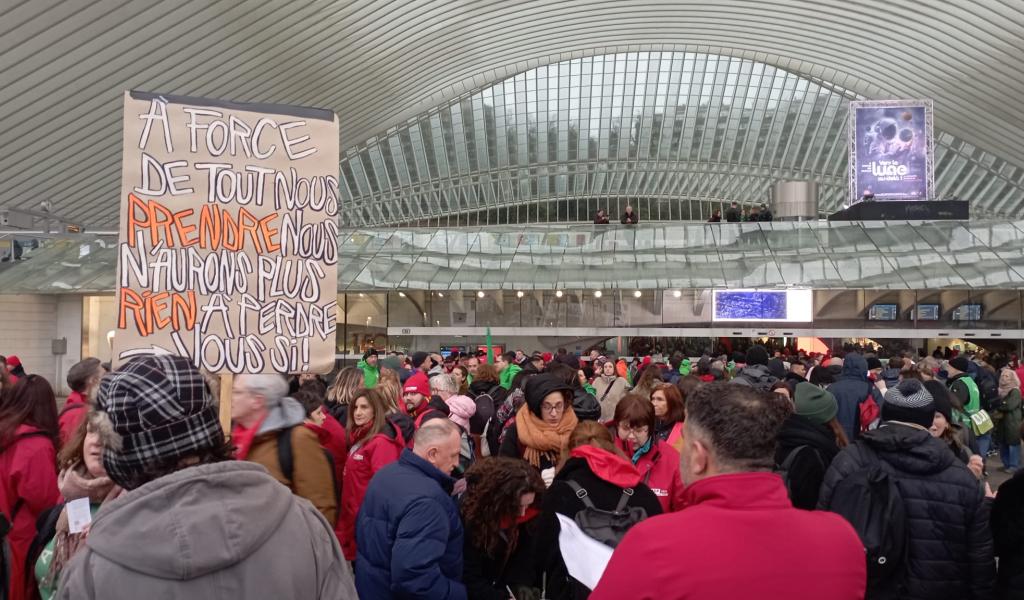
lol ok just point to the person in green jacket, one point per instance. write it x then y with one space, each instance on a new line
507 368
371 372
1007 431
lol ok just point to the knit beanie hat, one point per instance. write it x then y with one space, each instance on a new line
959 363
369 353
873 363
417 359
757 355
162 411
814 403
941 396
777 368
909 402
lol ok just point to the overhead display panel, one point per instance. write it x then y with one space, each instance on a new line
891 150
787 306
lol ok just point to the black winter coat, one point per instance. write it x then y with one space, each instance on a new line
561 499
511 448
808 469
485 576
950 552
1008 534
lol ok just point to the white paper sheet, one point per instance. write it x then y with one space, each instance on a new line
585 558
79 515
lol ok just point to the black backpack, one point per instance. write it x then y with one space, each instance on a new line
787 465
988 389
286 460
870 500
606 526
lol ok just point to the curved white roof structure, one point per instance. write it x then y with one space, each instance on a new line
63 66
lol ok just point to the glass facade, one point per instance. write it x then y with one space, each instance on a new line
675 134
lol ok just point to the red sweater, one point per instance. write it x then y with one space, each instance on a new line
739 537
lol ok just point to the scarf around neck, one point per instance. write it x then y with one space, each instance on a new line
541 439
75 483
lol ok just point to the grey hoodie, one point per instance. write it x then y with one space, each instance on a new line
225 530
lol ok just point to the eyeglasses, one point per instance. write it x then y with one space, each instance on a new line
552 408
626 430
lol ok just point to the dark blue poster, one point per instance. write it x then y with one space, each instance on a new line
749 306
891 150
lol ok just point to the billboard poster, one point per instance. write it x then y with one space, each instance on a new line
891 150
228 234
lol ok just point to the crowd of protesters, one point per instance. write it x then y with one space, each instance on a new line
772 472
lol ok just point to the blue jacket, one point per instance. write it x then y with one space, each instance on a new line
409 534
850 389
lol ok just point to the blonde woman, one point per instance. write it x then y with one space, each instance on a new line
1007 431
342 392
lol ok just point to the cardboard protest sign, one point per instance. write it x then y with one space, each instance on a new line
228 246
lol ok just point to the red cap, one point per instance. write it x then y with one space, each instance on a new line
13 361
547 357
418 383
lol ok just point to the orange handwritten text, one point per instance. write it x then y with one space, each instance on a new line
149 311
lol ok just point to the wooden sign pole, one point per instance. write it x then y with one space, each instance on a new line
227 380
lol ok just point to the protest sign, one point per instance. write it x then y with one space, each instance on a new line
891 150
228 247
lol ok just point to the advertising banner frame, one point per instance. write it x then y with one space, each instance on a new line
853 145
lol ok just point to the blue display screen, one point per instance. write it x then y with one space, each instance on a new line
750 305
883 312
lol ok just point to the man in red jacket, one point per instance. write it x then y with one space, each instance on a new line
739 536
83 379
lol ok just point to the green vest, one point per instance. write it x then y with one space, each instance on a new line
973 402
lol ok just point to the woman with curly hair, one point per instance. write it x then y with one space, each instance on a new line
498 511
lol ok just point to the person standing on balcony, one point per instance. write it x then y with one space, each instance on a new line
630 217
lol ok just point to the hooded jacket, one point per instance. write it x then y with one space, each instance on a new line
370 373
604 475
1008 534
808 468
950 544
739 537
411 534
364 460
536 389
28 483
311 472
756 376
224 530
508 374
850 390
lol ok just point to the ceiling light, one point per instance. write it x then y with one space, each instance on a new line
677 294
519 294
361 295
558 294
480 294
440 294
597 293
637 294
401 294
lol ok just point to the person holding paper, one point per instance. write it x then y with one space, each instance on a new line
596 465
739 536
82 480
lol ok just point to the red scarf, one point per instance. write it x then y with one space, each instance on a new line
358 433
243 438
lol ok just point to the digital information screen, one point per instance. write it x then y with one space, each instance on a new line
967 312
795 306
926 312
883 312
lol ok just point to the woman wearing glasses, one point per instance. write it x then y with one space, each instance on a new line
657 461
542 426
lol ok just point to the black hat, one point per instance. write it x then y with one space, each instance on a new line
369 353
874 363
757 355
539 386
777 368
960 363
909 402
941 396
417 359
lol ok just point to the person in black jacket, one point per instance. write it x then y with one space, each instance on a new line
1008 533
597 466
629 217
499 514
733 214
949 553
601 218
810 438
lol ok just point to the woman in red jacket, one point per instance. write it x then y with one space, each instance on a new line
657 461
669 412
373 443
28 470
